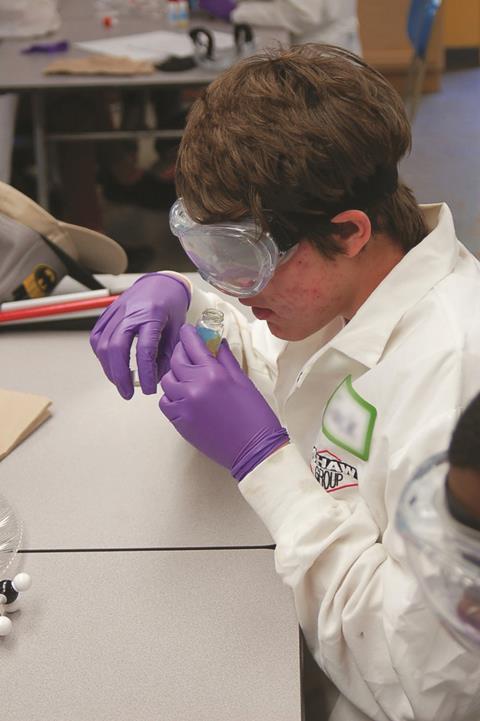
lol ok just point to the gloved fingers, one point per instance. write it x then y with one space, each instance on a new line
172 388
102 321
195 349
119 346
226 358
148 341
97 332
170 409
100 341
180 363
163 364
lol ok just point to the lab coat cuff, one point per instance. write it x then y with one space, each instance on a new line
186 281
283 486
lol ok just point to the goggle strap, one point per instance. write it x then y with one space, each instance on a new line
284 239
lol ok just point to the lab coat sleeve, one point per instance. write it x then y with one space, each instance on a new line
296 16
360 607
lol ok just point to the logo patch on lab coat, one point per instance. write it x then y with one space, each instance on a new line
331 472
348 420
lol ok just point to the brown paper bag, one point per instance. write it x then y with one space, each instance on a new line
20 415
99 65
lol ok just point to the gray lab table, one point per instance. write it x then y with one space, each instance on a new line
107 473
153 636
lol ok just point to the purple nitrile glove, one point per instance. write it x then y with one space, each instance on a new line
153 309
216 407
218 8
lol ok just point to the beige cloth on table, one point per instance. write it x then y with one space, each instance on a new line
99 65
20 415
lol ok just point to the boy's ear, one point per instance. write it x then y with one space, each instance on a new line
355 230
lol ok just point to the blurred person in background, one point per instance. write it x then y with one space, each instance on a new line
322 21
439 519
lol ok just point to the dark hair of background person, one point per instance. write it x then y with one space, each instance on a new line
464 449
463 482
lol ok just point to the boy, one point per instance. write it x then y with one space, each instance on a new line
365 347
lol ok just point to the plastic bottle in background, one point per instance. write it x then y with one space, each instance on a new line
183 14
178 14
172 13
210 328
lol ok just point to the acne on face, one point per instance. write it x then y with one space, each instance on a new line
305 293
299 287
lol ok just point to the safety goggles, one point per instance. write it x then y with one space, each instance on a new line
443 553
238 258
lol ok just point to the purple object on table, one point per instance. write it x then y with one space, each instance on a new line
215 406
218 8
59 47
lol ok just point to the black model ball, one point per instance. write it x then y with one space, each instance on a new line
8 590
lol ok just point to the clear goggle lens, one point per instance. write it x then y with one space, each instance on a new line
443 554
238 259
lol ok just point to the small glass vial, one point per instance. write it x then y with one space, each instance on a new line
135 378
210 328
134 369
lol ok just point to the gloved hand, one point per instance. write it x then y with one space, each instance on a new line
153 309
218 8
216 407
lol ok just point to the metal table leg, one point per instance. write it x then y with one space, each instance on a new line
40 147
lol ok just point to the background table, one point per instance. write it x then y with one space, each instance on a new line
24 73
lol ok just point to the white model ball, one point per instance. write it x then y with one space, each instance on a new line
5 626
22 582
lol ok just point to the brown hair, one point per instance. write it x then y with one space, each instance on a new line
291 137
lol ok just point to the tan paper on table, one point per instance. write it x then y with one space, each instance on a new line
99 65
20 415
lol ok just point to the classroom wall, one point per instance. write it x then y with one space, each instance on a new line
386 46
461 23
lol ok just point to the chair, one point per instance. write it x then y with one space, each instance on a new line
421 17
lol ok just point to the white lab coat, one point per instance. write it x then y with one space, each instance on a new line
308 21
413 354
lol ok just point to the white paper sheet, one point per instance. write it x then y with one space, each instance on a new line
155 46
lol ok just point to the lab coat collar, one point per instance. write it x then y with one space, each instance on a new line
364 337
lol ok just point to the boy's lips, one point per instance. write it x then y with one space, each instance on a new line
261 313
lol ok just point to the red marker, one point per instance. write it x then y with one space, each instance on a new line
43 311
